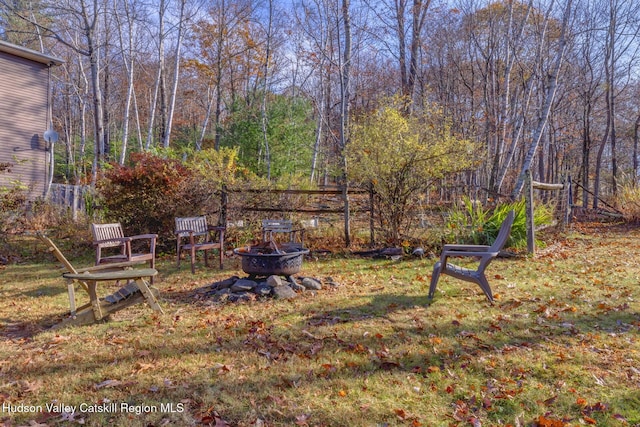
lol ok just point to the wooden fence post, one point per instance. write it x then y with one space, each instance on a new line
75 202
528 196
371 216
224 200
568 196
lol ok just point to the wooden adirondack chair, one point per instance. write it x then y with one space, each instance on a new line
294 236
485 254
193 234
136 291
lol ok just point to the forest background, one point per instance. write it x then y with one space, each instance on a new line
297 91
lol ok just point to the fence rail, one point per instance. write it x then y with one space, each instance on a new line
71 196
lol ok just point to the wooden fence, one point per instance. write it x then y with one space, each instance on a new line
71 196
564 204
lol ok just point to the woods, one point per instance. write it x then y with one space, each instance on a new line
543 85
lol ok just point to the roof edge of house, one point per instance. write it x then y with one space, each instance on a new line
29 54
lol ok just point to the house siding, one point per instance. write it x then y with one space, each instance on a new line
23 120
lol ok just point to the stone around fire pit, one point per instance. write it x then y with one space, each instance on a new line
236 289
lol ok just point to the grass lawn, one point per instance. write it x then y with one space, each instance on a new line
560 346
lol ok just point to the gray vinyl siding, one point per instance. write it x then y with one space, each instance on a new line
23 120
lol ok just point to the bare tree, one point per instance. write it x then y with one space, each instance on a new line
552 84
126 37
406 20
345 98
621 42
158 81
265 86
176 75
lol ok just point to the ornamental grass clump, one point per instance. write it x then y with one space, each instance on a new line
473 224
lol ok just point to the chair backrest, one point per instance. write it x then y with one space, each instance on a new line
503 234
107 232
56 252
277 225
197 224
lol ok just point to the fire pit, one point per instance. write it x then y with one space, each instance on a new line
267 259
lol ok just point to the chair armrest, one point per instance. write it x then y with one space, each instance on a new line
144 236
466 248
178 232
468 254
216 228
471 251
114 239
111 266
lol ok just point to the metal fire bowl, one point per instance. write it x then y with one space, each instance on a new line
286 264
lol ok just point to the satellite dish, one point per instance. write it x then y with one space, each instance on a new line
51 136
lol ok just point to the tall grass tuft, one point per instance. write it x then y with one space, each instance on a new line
475 225
628 201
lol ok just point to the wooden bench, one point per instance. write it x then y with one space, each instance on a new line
137 289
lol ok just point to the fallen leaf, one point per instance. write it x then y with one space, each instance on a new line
301 420
549 422
29 386
107 384
620 418
140 367
400 413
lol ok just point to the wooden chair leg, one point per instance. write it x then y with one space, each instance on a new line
148 295
95 302
435 276
193 260
72 298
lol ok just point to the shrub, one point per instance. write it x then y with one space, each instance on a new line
401 156
147 194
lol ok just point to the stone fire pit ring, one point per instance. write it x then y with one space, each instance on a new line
287 263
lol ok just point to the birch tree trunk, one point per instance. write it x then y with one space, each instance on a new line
128 61
548 101
502 162
176 77
345 94
263 106
159 74
207 117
